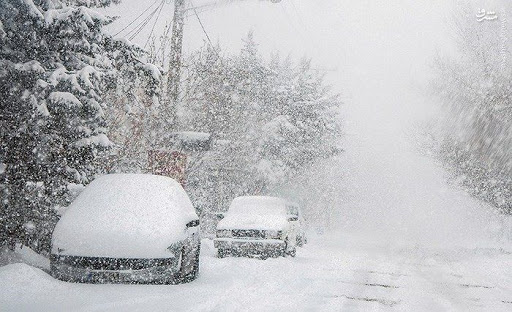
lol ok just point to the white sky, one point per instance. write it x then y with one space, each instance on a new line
386 44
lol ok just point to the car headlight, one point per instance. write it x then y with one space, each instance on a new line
223 233
273 234
175 249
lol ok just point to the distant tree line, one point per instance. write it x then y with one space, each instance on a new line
476 90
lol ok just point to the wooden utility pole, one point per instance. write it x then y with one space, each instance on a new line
173 84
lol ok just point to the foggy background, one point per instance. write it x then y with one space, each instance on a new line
378 56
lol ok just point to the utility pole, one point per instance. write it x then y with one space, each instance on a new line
173 83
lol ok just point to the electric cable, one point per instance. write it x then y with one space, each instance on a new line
133 21
156 20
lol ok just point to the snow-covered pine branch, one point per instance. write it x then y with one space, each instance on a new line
56 67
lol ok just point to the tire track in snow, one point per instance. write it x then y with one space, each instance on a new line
375 287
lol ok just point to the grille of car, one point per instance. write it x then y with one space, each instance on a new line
114 264
249 233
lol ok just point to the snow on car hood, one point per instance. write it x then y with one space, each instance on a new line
125 216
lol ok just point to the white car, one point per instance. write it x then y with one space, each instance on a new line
128 228
257 225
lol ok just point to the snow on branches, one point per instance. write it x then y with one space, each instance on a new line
476 142
270 121
56 67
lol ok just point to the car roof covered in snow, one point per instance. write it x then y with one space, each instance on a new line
256 212
125 216
257 205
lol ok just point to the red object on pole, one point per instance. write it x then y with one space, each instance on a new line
169 164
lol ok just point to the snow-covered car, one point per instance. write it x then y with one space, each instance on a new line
257 225
128 228
295 211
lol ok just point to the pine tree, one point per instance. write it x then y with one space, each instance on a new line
272 121
56 64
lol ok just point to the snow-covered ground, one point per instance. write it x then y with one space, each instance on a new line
336 272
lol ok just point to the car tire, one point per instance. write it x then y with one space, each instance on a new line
290 252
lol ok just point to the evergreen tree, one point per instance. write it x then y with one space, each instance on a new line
55 67
271 122
475 89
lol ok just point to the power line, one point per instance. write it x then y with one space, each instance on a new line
156 20
133 21
164 41
141 24
202 9
206 34
144 22
202 26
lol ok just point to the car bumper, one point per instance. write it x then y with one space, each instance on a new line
165 274
250 246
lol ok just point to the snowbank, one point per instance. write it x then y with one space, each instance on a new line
20 275
23 254
125 216
339 272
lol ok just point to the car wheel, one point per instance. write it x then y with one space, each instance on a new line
290 252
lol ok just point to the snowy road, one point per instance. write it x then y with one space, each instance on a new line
332 273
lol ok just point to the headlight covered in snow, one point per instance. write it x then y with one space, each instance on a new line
175 249
223 233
